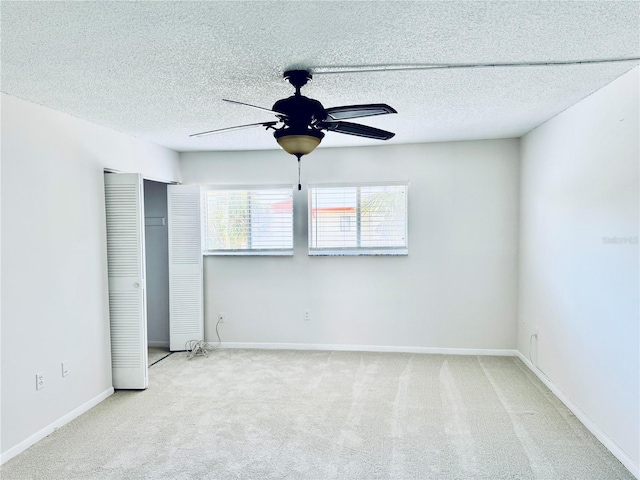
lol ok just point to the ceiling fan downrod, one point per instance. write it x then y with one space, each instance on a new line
298 78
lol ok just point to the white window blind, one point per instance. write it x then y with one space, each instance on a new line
248 220
358 219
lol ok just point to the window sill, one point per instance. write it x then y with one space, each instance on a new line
250 253
358 253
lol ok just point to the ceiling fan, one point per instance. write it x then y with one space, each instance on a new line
301 120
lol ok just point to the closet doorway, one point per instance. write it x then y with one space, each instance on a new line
137 258
157 269
154 265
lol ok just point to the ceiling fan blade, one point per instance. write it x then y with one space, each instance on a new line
253 106
357 111
238 127
356 129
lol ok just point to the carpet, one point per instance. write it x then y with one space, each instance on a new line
266 414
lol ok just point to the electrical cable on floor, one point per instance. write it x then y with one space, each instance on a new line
200 347
160 359
535 366
530 340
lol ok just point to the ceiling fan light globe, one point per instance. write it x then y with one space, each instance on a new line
299 144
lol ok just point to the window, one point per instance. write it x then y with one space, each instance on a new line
248 220
358 220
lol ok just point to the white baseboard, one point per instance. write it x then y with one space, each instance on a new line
371 348
49 429
161 344
586 421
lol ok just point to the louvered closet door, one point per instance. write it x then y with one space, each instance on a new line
186 320
127 296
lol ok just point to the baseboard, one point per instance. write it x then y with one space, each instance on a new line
161 344
586 421
49 429
371 348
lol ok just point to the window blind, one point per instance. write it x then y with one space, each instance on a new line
248 221
358 219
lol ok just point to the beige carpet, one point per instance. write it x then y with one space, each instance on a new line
252 414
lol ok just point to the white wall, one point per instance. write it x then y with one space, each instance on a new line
457 288
157 264
54 268
579 184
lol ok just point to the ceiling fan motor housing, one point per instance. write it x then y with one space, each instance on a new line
300 112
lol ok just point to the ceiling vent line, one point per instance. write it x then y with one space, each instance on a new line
336 69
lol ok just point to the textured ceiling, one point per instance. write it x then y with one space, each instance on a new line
158 70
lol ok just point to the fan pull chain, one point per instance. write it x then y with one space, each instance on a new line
299 185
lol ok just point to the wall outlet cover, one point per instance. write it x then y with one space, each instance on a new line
39 381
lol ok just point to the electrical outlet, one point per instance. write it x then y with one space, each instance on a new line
307 315
39 381
65 368
221 317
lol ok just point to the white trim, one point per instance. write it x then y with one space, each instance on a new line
586 421
161 344
371 348
49 429
241 187
381 183
144 177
